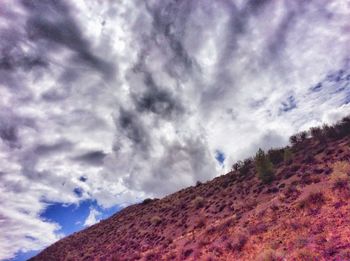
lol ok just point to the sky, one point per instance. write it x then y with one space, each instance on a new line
106 102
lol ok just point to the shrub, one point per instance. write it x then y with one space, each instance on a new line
264 167
269 255
187 252
156 220
302 136
317 133
287 155
198 202
293 140
305 254
242 167
298 138
236 166
147 201
276 156
330 131
200 223
259 228
238 243
344 126
152 255
313 200
198 183
340 175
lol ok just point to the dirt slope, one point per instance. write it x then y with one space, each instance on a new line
304 214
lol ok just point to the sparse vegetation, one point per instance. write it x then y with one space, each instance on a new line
237 243
298 138
264 167
302 216
156 220
270 255
287 155
293 140
198 202
306 254
313 201
317 133
340 175
147 201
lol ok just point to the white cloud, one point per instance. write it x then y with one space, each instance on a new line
92 217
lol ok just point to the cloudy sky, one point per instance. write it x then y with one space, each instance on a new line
104 103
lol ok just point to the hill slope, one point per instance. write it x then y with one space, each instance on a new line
304 214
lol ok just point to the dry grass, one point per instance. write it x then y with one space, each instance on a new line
198 202
340 175
270 255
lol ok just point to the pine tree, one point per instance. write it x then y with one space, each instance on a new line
264 167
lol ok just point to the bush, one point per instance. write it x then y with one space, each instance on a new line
298 138
264 167
344 126
330 131
242 167
302 136
293 140
340 175
270 255
276 156
317 133
238 243
305 254
156 220
198 202
147 201
287 155
313 200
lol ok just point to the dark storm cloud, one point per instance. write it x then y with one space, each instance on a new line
8 133
131 126
47 149
94 158
10 125
10 61
56 94
157 100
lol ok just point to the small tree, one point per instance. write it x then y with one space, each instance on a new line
264 167
276 155
302 136
317 133
293 140
330 131
288 155
242 167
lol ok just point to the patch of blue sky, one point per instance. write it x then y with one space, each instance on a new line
220 157
70 217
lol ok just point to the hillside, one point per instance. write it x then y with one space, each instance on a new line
303 214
